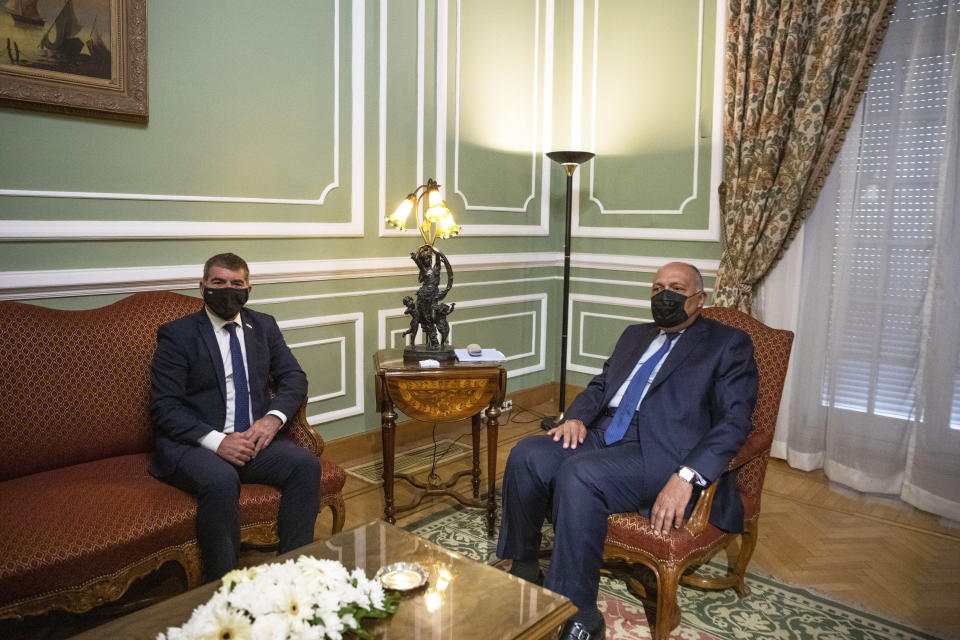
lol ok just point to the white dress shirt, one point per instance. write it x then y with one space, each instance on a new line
213 439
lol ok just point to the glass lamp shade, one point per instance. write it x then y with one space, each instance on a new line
434 199
438 212
399 217
447 228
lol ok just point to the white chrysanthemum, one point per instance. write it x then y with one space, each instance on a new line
330 569
304 631
333 625
172 633
254 597
215 620
374 591
271 627
292 603
349 621
327 602
283 601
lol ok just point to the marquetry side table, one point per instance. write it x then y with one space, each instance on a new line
446 393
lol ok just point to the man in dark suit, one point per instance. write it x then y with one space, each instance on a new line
662 420
216 419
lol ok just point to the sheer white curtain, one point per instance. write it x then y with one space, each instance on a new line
874 390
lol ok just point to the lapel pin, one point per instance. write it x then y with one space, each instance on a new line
248 325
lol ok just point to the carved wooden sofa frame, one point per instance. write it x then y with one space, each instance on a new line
80 517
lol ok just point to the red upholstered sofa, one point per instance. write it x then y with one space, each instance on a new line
80 517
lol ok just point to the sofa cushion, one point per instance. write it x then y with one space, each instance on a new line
96 518
77 382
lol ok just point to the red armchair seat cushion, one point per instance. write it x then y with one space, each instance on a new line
633 531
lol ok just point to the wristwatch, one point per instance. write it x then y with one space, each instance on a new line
687 474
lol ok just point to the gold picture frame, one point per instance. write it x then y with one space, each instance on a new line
81 57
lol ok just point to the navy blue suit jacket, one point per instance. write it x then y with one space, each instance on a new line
697 411
188 389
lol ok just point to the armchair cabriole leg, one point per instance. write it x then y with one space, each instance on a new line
748 542
668 611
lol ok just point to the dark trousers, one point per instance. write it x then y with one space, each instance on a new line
216 483
580 487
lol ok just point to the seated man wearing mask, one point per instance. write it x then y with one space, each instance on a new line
216 420
667 414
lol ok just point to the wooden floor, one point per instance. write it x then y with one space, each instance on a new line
875 553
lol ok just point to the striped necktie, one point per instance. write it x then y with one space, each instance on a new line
631 397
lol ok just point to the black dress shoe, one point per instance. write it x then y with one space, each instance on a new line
577 631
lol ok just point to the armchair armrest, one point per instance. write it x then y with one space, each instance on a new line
698 520
300 431
752 448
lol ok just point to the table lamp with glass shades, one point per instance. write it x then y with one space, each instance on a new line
428 314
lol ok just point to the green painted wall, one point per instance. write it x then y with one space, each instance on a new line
285 136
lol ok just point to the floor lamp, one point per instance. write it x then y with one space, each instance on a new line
569 160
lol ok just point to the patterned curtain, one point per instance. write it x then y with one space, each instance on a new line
795 70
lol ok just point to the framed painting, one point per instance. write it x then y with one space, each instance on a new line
86 57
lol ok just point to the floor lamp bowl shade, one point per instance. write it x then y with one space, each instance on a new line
570 157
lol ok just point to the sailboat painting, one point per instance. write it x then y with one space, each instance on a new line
65 36
84 45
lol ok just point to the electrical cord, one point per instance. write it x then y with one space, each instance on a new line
514 412
518 410
433 477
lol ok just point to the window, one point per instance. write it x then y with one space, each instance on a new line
889 181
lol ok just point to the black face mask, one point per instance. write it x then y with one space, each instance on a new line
225 302
667 308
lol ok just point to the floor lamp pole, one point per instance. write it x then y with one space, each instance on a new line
570 160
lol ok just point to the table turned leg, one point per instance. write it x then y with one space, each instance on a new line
388 425
493 428
475 424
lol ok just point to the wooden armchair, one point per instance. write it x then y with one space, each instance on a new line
631 540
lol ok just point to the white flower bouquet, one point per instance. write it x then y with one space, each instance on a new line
307 598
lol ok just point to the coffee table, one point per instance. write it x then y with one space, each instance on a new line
479 602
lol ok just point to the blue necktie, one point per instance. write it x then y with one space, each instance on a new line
631 397
241 396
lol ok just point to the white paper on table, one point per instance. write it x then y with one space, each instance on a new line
486 355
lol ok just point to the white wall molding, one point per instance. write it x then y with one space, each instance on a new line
342 343
535 113
712 232
177 229
57 283
173 229
591 169
597 300
385 207
542 227
638 263
593 314
318 321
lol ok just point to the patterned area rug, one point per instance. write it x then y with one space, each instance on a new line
773 611
412 460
